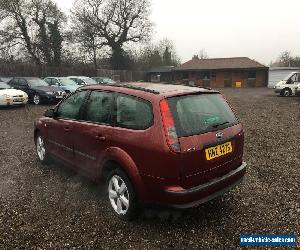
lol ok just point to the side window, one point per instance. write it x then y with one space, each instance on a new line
48 80
298 78
133 113
70 108
293 78
22 82
98 108
77 80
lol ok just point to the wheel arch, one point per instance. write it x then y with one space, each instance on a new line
287 88
117 158
36 131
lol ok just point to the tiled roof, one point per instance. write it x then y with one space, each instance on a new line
220 63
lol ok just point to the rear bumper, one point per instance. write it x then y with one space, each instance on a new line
185 198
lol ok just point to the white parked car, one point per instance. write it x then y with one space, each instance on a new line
289 85
10 96
297 90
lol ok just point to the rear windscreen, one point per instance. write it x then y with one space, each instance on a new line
201 113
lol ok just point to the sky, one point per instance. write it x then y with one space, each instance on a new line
258 29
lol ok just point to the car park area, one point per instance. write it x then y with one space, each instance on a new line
53 207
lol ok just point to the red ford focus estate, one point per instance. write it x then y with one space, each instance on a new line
153 143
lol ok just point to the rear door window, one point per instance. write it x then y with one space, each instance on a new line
99 107
133 113
198 114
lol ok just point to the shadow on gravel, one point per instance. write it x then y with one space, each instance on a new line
12 107
148 214
212 210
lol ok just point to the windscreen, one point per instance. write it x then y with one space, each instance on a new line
37 83
289 76
201 113
108 81
3 85
66 82
89 81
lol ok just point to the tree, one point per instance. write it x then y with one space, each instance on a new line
116 23
202 54
168 52
153 55
35 26
286 59
14 31
86 36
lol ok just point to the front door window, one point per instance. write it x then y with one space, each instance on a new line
70 108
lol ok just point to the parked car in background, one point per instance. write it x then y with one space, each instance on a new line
297 90
288 85
68 85
191 150
10 96
83 80
38 90
104 80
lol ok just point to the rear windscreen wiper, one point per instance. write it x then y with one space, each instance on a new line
220 124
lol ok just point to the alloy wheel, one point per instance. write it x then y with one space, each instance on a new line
36 99
40 148
118 195
286 92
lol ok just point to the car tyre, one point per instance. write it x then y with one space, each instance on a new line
36 99
41 150
121 195
286 92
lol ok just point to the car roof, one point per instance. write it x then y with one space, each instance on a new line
143 89
78 77
27 78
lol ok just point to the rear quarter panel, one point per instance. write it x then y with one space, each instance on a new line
156 165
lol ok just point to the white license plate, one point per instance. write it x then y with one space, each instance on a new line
18 100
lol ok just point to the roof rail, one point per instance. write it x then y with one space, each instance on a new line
199 87
133 87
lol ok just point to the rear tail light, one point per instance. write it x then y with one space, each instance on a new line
169 126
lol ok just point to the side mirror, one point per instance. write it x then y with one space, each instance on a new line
51 113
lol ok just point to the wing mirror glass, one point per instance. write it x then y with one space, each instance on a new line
51 113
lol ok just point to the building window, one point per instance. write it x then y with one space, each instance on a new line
213 74
185 75
155 78
252 74
227 79
206 75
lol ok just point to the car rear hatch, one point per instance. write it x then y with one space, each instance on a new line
207 135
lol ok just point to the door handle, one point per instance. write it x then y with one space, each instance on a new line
67 129
100 138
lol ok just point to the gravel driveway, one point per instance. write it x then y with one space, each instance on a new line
54 208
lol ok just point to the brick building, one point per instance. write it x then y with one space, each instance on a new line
222 72
214 72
